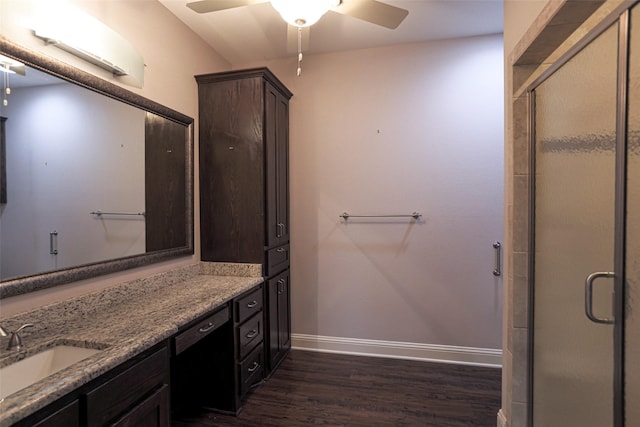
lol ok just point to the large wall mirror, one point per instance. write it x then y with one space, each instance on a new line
94 178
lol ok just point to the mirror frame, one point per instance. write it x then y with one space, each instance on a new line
57 68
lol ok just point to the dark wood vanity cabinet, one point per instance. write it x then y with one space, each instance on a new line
134 394
244 185
218 359
244 165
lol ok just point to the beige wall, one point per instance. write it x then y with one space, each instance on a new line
399 129
172 53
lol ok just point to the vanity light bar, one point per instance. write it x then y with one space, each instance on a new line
89 39
87 56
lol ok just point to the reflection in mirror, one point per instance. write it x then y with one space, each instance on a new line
93 184
65 159
165 198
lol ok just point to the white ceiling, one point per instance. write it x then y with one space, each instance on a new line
257 32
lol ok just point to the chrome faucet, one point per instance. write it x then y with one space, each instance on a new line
15 341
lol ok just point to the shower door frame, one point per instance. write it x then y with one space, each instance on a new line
621 16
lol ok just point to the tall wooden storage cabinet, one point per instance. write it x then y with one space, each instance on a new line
244 186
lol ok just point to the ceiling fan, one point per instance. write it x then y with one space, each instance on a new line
304 13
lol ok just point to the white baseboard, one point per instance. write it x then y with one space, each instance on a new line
502 419
400 350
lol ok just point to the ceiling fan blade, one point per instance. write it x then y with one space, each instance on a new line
292 39
373 11
206 6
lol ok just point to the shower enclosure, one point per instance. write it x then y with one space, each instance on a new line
585 265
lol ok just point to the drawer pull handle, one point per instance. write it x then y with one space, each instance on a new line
252 304
253 368
207 328
280 250
252 333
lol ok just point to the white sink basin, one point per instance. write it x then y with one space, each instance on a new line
28 371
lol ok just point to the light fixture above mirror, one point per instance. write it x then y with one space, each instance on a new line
70 29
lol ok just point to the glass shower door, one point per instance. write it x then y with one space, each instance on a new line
574 228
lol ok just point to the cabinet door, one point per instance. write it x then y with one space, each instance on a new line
282 167
279 318
69 416
152 412
112 398
284 312
277 164
232 174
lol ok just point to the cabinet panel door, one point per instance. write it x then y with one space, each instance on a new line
279 318
284 316
152 412
107 401
277 164
232 171
69 416
282 167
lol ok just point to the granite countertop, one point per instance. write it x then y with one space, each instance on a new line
122 321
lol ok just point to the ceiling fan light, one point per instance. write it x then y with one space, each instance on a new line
302 13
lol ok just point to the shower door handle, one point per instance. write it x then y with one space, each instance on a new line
588 296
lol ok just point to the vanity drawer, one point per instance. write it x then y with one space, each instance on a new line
200 330
250 334
277 259
248 305
251 370
111 399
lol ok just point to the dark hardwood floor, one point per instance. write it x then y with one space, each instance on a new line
337 390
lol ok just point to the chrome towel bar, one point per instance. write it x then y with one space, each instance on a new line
99 213
346 216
